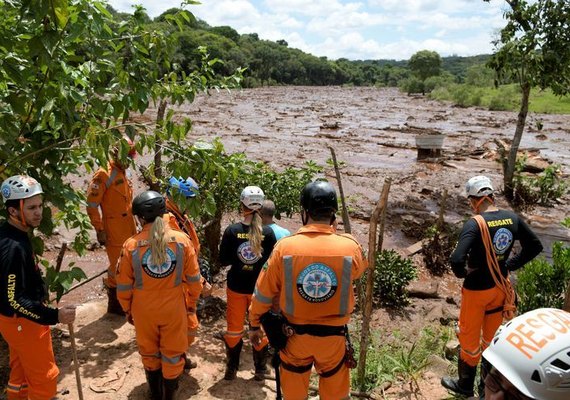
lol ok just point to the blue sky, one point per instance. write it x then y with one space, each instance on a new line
366 29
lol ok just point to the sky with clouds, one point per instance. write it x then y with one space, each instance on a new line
357 30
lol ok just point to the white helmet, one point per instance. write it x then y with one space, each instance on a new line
479 186
533 352
252 197
20 187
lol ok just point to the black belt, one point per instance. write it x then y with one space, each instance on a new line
319 330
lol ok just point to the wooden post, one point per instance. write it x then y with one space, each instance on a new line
59 259
379 211
345 219
75 362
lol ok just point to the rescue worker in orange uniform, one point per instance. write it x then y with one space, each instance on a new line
109 198
188 188
482 301
24 315
154 268
311 274
245 246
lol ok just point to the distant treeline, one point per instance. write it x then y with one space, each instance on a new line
275 63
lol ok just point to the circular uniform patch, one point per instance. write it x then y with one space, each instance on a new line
6 192
317 283
159 271
246 255
502 240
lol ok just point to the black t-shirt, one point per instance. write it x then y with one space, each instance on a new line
22 289
504 228
235 250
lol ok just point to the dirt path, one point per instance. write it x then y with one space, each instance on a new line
373 131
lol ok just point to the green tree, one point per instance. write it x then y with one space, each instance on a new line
533 51
425 63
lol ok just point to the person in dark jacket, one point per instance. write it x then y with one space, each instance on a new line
24 315
482 300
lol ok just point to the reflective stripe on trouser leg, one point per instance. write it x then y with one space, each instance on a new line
113 253
31 353
473 322
235 316
326 353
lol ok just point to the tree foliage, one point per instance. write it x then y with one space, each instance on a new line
425 63
534 51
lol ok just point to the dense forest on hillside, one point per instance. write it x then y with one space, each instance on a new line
275 63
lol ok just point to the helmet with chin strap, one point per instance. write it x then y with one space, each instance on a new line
19 187
533 352
319 196
252 197
149 205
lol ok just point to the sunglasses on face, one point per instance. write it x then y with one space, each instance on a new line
495 382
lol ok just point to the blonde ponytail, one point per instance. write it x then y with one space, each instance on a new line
158 242
255 234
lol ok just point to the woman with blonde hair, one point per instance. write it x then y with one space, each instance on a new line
155 268
245 247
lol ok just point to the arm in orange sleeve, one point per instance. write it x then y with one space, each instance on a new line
267 287
360 263
125 279
95 194
192 278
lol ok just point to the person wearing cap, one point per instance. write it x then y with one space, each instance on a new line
245 247
24 315
267 214
155 269
311 273
529 358
179 220
483 259
109 198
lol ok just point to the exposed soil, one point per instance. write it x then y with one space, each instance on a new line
372 131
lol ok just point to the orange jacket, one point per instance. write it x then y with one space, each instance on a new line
136 277
111 190
312 273
181 222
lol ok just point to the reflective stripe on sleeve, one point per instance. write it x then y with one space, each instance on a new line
124 288
193 278
92 204
111 178
345 284
261 298
288 270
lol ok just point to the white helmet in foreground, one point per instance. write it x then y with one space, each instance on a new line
533 352
19 187
252 197
479 186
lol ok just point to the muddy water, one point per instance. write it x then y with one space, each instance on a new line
373 131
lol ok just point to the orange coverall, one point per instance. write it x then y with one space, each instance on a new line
154 297
110 189
311 272
182 223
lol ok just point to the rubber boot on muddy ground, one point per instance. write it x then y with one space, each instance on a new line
154 379
170 388
232 362
464 384
188 362
484 369
113 305
260 358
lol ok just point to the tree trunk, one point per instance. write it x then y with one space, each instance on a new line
509 167
212 241
158 141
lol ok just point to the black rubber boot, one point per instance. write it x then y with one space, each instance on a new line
232 363
170 388
484 369
463 385
154 379
113 305
188 363
260 358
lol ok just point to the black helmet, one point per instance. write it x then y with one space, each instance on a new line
149 205
319 197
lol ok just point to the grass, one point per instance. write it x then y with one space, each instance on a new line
397 359
504 98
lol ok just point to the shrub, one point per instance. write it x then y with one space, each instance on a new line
412 85
461 95
541 284
499 103
393 273
437 247
543 189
